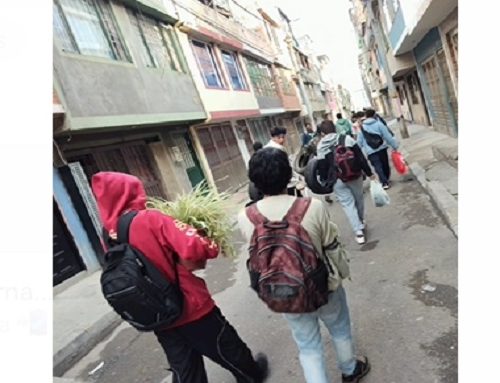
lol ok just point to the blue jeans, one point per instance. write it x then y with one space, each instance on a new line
306 333
351 198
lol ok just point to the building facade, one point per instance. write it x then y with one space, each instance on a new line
408 58
174 93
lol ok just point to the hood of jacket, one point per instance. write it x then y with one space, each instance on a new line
117 193
325 145
343 122
370 121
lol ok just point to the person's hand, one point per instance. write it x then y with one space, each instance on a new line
373 177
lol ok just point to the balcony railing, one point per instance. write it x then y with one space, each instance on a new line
194 12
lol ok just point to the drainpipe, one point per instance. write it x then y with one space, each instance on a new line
390 82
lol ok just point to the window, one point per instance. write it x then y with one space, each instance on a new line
233 68
286 83
88 27
158 49
208 65
260 75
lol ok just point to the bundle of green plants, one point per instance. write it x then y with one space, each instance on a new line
204 209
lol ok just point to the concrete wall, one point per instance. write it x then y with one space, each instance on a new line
419 17
99 92
401 63
266 102
398 29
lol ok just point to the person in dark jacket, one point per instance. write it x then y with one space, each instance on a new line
201 330
254 193
349 194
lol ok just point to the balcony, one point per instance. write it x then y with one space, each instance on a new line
418 20
309 75
199 17
399 65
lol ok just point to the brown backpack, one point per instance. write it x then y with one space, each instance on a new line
285 269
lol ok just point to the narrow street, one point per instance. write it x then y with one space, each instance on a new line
403 301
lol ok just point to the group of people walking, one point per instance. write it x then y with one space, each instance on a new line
356 138
296 262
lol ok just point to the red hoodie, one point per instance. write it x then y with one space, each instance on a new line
157 236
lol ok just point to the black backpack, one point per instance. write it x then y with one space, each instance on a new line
373 140
135 288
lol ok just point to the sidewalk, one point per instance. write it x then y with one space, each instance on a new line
433 160
83 318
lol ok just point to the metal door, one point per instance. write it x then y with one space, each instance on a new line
223 156
449 90
437 96
131 158
66 260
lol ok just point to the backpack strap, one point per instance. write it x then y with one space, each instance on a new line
255 216
123 236
297 210
124 224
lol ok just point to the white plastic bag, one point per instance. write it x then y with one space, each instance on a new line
379 195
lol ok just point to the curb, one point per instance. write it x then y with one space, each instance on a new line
447 205
70 354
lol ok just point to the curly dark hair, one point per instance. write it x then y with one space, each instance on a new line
269 169
327 127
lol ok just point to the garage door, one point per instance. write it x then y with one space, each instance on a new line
131 158
223 156
442 99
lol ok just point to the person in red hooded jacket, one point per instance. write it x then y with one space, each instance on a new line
201 330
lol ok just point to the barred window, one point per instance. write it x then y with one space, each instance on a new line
88 27
157 41
261 78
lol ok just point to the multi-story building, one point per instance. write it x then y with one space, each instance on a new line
237 59
128 93
325 74
408 58
128 98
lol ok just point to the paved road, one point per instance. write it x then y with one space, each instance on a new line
403 300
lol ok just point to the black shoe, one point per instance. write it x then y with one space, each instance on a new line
362 368
261 360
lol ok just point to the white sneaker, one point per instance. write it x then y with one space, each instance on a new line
360 237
